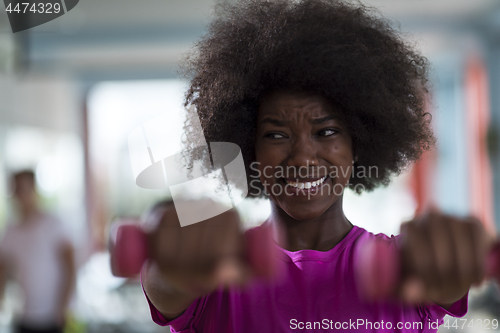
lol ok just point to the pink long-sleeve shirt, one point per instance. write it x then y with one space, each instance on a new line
316 293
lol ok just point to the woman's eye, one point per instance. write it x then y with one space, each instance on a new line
274 136
327 132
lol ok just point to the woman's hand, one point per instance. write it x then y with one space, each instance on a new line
442 256
198 258
188 262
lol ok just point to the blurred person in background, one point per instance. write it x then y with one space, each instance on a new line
37 252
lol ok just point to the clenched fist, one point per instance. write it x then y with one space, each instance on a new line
442 256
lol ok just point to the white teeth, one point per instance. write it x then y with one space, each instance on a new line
306 185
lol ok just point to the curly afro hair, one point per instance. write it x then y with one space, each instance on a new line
342 51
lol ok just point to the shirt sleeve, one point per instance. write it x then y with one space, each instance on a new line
433 313
458 309
180 324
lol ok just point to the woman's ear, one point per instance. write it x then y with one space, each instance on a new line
354 156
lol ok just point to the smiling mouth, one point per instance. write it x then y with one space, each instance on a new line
306 185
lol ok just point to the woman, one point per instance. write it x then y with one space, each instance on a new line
320 95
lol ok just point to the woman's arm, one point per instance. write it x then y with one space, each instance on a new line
3 278
189 262
170 301
67 257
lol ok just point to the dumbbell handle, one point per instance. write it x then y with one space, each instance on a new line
129 251
378 270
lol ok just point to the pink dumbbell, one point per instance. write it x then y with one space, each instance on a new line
129 250
379 269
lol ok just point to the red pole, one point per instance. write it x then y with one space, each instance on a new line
477 122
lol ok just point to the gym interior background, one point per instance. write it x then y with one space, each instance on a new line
73 89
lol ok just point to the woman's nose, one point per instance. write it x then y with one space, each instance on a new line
303 153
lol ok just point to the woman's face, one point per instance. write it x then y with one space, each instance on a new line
303 152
